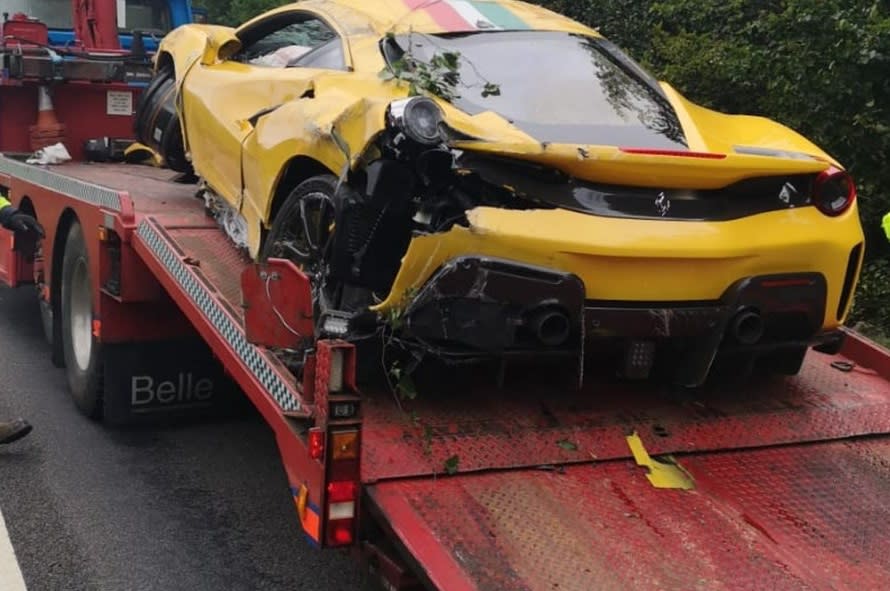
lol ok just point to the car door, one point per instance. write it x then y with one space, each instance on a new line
220 100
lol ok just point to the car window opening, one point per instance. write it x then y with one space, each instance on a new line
571 88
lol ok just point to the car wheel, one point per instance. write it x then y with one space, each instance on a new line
786 362
157 121
302 232
82 350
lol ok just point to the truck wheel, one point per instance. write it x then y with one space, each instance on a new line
83 352
157 123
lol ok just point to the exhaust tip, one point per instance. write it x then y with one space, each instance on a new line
747 327
551 327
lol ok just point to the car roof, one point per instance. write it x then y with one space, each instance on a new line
378 17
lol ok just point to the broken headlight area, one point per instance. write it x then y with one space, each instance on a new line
410 183
419 118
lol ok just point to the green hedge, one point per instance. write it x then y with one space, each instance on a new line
820 67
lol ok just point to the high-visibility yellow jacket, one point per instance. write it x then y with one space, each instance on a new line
886 225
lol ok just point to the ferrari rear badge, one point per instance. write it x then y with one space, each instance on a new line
787 193
662 204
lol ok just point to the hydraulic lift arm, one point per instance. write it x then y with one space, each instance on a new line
95 24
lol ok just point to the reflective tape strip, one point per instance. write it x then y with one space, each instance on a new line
255 361
77 189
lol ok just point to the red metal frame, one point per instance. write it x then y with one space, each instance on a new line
95 23
82 108
278 305
121 320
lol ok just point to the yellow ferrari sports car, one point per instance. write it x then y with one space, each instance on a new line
491 179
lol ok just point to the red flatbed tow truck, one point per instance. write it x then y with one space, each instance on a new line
529 485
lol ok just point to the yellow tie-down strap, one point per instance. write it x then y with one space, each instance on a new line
662 474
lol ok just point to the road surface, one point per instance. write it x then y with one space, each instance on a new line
193 507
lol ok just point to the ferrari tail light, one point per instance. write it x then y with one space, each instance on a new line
834 192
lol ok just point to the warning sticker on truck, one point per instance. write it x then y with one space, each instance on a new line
119 102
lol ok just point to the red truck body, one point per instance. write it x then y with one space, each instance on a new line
528 484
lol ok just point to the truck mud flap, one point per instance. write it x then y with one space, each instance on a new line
793 517
157 382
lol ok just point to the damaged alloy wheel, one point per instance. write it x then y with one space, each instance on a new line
302 232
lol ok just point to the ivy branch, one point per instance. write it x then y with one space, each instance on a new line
440 76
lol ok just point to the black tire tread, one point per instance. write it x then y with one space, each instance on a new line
86 387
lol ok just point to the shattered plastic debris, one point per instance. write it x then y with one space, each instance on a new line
54 154
228 218
660 474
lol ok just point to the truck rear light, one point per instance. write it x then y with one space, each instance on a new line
340 532
316 443
834 192
344 445
340 492
341 513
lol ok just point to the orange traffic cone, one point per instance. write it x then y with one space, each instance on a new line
48 130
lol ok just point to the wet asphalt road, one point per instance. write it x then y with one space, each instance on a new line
193 507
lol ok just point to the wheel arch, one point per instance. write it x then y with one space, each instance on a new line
165 60
295 171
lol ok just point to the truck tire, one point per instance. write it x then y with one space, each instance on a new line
157 123
82 350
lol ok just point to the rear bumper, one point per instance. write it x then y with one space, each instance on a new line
485 307
491 305
791 307
644 261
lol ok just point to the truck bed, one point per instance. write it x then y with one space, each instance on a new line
791 476
789 517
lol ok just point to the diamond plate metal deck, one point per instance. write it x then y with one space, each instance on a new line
151 189
536 420
791 518
219 261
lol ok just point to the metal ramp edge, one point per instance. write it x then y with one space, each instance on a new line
255 369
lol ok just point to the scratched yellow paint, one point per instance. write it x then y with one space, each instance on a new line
660 474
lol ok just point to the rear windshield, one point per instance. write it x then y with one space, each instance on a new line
557 87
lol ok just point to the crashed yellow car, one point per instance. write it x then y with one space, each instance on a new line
504 181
